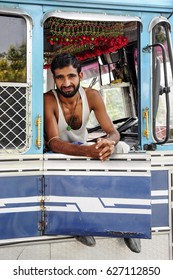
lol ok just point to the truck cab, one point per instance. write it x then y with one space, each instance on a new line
126 54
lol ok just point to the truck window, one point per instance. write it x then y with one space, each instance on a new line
107 51
15 98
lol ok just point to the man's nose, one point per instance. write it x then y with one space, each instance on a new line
66 82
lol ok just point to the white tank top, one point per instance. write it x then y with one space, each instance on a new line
74 135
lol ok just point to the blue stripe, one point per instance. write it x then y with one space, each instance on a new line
159 180
100 186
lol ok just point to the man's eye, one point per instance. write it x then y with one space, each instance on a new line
72 76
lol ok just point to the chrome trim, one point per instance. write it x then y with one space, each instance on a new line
157 20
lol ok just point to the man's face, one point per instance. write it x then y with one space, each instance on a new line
67 81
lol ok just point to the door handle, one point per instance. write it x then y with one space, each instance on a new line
38 124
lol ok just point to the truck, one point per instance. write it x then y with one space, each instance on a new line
46 199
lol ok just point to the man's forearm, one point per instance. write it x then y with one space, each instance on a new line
58 146
114 137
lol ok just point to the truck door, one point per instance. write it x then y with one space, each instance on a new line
20 146
84 196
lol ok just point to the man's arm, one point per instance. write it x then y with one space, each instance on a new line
97 105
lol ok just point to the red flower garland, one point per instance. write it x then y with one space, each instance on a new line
87 46
85 39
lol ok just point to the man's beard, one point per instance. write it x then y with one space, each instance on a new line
68 95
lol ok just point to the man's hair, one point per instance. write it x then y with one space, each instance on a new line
63 60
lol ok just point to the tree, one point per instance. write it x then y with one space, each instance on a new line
13 65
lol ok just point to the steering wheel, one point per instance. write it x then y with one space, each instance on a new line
127 123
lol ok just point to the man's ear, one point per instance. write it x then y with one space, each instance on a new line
81 75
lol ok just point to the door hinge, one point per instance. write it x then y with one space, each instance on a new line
41 223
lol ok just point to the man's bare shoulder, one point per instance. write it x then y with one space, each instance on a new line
49 96
92 93
50 101
49 93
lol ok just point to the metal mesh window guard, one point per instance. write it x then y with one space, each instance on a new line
15 119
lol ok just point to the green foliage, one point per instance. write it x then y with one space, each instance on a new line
13 65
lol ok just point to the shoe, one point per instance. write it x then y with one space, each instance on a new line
86 240
134 244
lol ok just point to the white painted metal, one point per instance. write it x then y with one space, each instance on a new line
21 165
124 165
90 16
